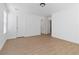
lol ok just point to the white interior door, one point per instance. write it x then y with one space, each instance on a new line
11 30
20 26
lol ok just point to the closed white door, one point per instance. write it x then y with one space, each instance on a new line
20 26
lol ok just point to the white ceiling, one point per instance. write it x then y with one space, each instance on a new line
35 8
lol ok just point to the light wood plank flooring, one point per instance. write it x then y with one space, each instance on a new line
39 45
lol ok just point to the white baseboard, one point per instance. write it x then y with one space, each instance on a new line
13 37
66 39
2 44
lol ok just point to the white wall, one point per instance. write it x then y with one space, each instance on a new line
28 24
2 35
66 24
1 29
11 31
1 21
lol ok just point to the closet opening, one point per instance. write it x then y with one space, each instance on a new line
46 26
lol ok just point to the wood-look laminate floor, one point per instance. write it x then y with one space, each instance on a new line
39 45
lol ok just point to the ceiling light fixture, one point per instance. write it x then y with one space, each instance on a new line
42 4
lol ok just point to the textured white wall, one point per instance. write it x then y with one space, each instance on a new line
1 29
28 24
1 21
66 24
2 35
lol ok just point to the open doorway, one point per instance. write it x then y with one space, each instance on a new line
50 27
46 26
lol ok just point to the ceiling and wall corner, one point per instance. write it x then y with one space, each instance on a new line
35 8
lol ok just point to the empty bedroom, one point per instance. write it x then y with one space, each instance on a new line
39 28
